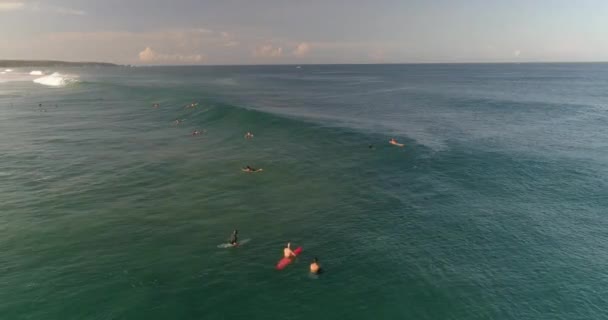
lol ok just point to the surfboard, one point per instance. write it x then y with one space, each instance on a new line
397 144
228 245
248 171
286 261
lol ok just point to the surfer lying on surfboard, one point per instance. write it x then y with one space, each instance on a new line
250 169
395 143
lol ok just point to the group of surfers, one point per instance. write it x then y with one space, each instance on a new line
248 135
315 267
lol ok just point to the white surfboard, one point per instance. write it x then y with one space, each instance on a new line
228 245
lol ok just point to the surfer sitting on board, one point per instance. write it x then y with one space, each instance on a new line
287 252
234 238
314 266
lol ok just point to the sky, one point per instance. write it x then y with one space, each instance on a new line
161 32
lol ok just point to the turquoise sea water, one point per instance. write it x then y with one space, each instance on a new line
495 209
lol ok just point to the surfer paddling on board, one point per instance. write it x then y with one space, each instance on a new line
287 252
250 169
395 143
234 240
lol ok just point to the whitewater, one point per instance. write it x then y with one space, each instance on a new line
55 79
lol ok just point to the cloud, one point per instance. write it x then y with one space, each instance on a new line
377 55
203 30
228 39
267 51
11 6
148 55
36 7
231 44
68 11
301 50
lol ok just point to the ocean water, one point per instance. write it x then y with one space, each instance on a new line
496 208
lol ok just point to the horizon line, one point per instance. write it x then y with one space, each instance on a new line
355 63
300 64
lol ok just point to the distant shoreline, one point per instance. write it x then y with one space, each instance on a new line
51 63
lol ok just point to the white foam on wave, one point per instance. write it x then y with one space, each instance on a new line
36 73
8 70
57 79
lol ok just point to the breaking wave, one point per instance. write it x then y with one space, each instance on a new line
57 79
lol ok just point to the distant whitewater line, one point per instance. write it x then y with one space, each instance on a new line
57 79
54 79
50 63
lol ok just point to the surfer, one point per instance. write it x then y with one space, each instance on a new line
250 169
248 135
234 238
287 252
314 266
395 143
197 132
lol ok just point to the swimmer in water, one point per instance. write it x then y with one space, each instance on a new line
248 135
287 253
234 238
315 268
177 122
196 132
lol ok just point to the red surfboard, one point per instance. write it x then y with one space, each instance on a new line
285 261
